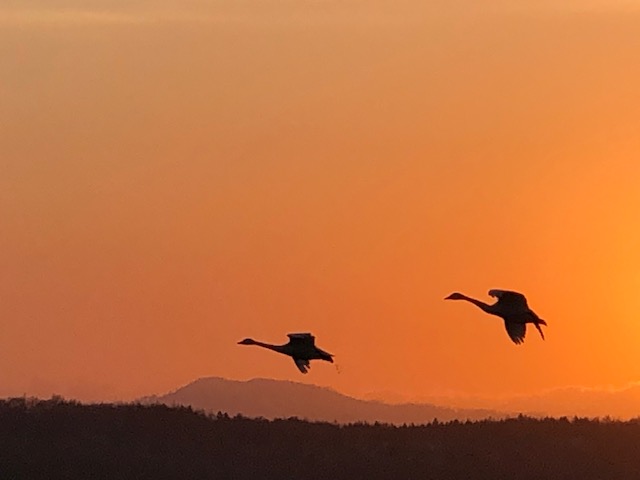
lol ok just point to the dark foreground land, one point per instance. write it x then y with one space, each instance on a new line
55 439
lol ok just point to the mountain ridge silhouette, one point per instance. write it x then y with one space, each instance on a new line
269 398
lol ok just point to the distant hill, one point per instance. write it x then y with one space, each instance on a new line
283 399
621 403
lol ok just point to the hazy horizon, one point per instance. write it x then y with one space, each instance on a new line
175 177
592 402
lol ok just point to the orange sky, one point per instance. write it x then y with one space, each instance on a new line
176 178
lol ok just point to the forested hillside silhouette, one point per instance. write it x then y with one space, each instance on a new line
59 439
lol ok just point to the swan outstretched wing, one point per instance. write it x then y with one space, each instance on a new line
508 301
516 331
301 339
303 365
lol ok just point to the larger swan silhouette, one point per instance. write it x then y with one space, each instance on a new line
301 347
512 308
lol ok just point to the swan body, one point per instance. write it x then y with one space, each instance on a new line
301 347
512 307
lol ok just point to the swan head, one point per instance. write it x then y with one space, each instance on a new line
455 296
247 341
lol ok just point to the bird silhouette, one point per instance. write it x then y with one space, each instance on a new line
512 308
301 347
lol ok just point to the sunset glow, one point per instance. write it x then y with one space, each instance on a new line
174 179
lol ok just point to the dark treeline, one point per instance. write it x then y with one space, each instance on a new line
55 439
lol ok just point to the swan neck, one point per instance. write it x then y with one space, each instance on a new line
481 305
275 348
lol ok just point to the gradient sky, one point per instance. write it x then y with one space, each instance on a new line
176 176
